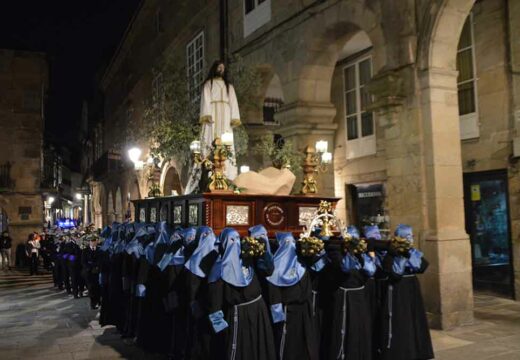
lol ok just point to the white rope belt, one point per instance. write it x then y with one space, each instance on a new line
341 354
235 325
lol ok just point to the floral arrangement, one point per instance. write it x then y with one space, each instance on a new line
400 245
354 245
251 247
310 246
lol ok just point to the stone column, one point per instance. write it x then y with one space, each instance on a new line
398 130
448 281
304 123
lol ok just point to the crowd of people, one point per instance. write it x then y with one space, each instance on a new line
190 294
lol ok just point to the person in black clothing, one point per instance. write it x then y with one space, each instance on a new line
236 308
74 267
347 312
90 263
5 250
47 243
57 269
291 300
403 331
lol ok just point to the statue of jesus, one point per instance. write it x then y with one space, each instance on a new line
218 114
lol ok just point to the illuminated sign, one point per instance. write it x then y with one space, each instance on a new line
66 223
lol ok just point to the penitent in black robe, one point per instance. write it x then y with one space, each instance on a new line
296 337
403 327
155 323
114 307
249 335
104 267
346 323
130 272
177 305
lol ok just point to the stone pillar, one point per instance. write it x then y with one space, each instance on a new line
448 281
398 129
304 123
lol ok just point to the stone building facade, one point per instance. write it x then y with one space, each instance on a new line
23 88
418 100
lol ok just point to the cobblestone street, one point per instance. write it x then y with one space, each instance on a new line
39 322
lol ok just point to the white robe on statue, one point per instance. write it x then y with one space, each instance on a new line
218 114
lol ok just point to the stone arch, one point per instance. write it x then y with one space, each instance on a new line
273 99
450 300
118 209
170 180
311 67
439 36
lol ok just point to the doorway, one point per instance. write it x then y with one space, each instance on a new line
486 207
368 206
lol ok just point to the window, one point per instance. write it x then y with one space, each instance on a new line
466 82
270 108
195 65
360 126
250 5
256 14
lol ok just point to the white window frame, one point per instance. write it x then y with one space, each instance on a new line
195 77
256 18
362 145
469 123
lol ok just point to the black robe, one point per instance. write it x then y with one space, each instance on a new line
297 336
403 327
130 273
347 322
176 304
155 323
104 267
115 306
90 267
249 334
201 342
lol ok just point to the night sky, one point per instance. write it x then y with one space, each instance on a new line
79 37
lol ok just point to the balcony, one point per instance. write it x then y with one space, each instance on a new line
109 162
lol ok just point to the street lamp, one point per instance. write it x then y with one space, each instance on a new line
317 159
134 154
50 199
78 196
